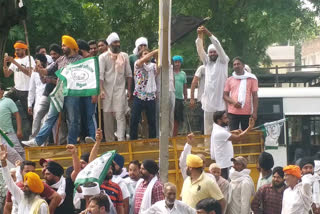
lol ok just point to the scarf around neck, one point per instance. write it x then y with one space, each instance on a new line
243 85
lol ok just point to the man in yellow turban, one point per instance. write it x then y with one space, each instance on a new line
28 199
297 198
70 103
198 185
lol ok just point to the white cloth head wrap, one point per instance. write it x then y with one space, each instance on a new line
88 191
211 47
112 38
140 41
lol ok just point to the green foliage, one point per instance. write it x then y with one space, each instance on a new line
244 27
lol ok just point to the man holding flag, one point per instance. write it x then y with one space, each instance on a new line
59 100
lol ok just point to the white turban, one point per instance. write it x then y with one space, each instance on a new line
112 38
211 47
140 41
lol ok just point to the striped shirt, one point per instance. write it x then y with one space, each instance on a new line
157 194
114 192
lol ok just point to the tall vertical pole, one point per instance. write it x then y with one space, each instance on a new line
164 57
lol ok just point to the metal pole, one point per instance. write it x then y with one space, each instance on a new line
28 45
164 20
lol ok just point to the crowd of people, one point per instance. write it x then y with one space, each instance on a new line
129 91
138 189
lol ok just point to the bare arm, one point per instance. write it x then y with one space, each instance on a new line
255 102
55 200
194 84
19 129
146 58
235 137
185 92
75 161
7 208
96 146
6 71
228 99
223 203
126 205
26 71
120 210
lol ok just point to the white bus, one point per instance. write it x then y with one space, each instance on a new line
301 133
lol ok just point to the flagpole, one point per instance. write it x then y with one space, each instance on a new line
99 112
28 45
164 41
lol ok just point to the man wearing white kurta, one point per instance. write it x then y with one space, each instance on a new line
297 198
216 73
114 72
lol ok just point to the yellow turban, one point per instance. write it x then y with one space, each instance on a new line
34 182
292 170
194 161
69 42
20 45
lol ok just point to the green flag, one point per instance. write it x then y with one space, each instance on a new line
80 78
96 170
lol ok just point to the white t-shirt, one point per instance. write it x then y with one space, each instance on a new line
200 73
221 148
21 80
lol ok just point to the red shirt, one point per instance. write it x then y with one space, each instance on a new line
46 194
157 194
114 192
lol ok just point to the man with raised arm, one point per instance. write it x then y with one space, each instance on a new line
216 73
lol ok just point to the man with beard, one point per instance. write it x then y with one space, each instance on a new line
170 204
22 69
114 72
297 198
113 191
221 141
198 185
241 187
216 73
132 180
149 189
307 166
53 176
98 204
29 200
268 199
11 205
118 163
241 95
70 104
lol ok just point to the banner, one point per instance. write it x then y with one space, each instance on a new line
80 78
96 170
272 132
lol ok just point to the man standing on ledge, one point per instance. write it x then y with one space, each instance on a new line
216 73
241 95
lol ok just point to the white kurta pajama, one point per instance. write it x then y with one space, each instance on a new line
115 101
36 89
216 74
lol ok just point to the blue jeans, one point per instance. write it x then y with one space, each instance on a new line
137 107
71 105
88 119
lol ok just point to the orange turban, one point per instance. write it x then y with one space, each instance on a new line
20 45
292 170
194 161
34 182
69 42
